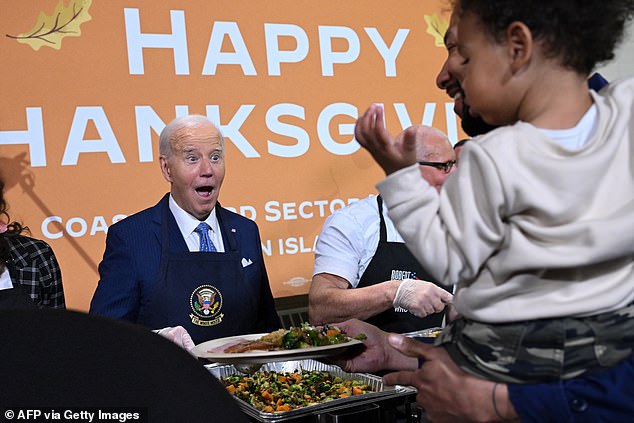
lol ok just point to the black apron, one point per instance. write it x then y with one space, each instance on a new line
392 260
15 298
204 292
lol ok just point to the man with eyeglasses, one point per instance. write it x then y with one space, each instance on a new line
437 171
359 248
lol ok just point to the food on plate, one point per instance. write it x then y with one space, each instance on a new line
296 337
244 346
277 392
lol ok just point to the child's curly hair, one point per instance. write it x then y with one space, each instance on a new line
13 228
583 33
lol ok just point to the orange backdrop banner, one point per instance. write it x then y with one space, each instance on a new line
88 85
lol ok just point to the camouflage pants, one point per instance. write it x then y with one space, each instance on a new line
541 350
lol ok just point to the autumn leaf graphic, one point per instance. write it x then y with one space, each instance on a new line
436 28
49 31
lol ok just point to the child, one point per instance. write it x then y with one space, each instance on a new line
537 224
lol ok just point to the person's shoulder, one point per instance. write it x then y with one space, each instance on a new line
24 243
364 207
369 202
621 90
137 220
504 148
360 212
620 83
501 134
504 138
236 219
28 251
360 217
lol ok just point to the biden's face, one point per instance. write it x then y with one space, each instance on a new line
196 168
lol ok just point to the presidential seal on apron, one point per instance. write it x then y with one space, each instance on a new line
206 304
205 292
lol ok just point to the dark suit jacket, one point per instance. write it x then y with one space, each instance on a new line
129 270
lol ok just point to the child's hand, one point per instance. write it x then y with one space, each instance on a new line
391 154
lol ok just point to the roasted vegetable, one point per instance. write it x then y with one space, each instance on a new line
312 336
277 392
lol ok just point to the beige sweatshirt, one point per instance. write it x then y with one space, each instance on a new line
527 228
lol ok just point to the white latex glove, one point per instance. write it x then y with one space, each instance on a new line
177 335
421 298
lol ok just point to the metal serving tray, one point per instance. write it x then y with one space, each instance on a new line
381 391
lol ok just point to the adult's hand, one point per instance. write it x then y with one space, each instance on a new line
376 353
421 298
177 335
389 153
446 392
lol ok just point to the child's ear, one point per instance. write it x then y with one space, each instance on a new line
520 44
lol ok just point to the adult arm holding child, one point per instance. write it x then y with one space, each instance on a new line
462 397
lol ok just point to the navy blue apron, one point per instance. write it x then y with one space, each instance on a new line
204 292
392 260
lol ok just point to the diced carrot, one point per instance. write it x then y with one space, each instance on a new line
344 395
282 379
356 391
283 407
306 396
268 409
231 389
266 395
279 402
332 332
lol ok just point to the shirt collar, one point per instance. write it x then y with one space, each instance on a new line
186 222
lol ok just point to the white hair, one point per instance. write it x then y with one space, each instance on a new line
188 121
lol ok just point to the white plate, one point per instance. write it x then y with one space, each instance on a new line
258 356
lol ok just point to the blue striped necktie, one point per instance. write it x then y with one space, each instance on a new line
205 242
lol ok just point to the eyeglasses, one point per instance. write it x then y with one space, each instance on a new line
444 166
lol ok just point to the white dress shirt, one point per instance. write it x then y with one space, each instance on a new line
188 223
349 239
5 280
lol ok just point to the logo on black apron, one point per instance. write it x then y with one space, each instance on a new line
206 302
400 275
